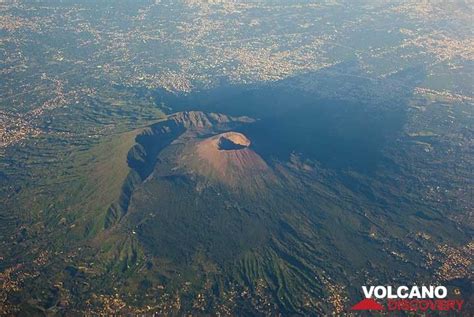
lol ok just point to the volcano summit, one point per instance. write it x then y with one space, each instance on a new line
228 158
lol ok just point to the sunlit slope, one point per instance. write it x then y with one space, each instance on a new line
108 174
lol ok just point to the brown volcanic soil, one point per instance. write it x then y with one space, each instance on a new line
229 157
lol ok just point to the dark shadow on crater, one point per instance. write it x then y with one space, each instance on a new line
226 145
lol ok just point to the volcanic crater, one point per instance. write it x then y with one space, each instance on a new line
232 141
229 157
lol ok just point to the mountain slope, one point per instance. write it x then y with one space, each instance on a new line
194 215
210 215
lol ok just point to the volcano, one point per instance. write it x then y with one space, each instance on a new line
211 207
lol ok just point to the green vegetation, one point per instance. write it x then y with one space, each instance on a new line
355 167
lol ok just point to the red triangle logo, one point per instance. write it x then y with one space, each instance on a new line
367 304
